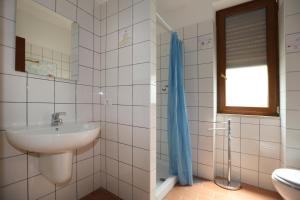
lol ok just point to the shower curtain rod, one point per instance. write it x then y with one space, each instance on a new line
164 22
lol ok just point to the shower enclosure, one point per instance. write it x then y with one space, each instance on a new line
164 182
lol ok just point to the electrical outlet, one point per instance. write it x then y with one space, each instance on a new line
293 43
205 42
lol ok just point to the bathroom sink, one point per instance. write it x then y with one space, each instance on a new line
55 145
53 139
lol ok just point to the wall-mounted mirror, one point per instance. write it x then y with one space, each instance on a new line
46 42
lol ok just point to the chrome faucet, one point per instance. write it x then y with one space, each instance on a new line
56 120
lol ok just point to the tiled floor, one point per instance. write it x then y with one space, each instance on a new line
202 190
101 195
207 190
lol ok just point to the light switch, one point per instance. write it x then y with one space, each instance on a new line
293 43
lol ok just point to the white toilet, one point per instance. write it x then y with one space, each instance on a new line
287 183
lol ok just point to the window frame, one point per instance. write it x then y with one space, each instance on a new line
272 57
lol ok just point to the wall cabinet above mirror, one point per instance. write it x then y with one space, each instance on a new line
46 42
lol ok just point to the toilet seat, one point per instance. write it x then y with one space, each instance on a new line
290 177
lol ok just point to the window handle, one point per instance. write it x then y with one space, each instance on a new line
223 76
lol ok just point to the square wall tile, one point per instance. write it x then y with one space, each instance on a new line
14 191
141 11
125 115
112 7
97 44
141 137
265 181
270 149
290 22
85 20
111 131
250 131
68 192
124 4
85 76
125 95
141 116
268 165
40 113
125 191
85 186
84 112
112 41
125 134
292 158
249 177
141 95
66 9
85 57
140 194
111 113
125 154
64 92
84 94
13 169
112 149
112 59
270 133
8 9
141 158
250 146
18 93
7 35
40 90
12 115
142 31
112 184
125 75
141 52
112 24
143 183
84 168
87 5
125 56
125 17
97 27
39 186
249 162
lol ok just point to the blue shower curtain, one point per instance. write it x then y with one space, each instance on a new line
180 156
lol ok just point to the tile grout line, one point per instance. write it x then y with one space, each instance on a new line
27 159
93 174
118 76
198 115
106 106
132 96
76 113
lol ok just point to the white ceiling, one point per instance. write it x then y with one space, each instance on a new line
179 13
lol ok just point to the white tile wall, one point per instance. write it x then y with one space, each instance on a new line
259 152
122 151
199 96
256 142
290 87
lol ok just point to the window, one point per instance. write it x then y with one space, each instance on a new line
247 58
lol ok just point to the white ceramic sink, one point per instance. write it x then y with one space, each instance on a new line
55 146
49 139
